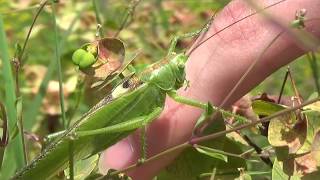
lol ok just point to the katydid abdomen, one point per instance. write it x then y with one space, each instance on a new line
55 157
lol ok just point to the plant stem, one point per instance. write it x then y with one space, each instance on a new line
315 72
130 11
30 29
98 19
283 85
57 57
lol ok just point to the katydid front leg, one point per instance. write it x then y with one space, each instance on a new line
207 108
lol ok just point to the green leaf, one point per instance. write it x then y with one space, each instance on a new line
277 171
314 106
191 164
83 168
243 175
312 126
265 108
286 131
13 157
212 153
316 148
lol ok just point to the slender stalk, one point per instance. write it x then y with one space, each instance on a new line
57 57
130 11
255 147
315 72
293 84
30 29
250 68
266 160
283 85
98 19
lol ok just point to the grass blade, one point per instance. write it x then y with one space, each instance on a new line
13 157
57 57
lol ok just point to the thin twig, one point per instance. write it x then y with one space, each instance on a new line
130 11
57 54
98 19
283 85
266 160
315 72
293 84
30 30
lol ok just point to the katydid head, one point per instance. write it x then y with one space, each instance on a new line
168 74
178 66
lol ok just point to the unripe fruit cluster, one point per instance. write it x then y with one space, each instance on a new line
83 58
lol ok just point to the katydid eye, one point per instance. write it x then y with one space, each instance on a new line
126 84
121 89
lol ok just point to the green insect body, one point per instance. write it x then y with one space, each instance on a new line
140 98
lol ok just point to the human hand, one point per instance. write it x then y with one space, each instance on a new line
213 70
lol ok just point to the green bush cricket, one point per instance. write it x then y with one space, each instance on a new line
117 115
132 104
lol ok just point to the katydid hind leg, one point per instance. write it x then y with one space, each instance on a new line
129 125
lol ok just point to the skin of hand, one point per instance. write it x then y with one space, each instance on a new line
213 69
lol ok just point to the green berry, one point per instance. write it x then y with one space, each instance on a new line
78 55
87 60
